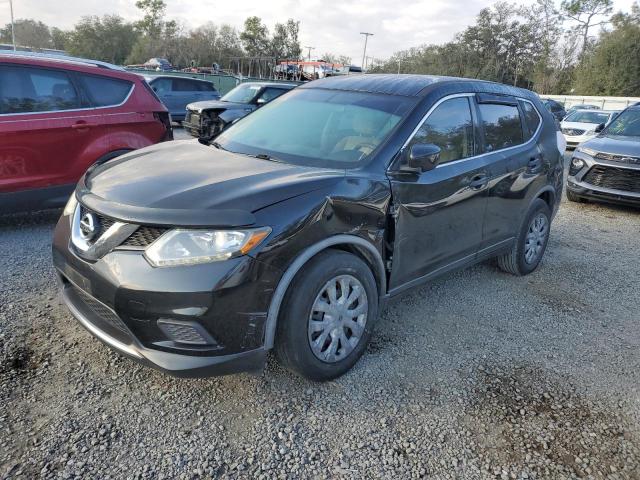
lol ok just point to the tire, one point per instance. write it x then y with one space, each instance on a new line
299 342
572 197
519 261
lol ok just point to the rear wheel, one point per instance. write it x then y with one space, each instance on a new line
327 316
528 249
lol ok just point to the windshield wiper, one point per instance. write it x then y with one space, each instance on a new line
266 156
218 146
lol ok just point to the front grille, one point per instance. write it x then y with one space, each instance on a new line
614 178
572 131
101 310
144 236
618 158
104 223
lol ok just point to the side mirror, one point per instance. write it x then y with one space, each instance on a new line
599 128
423 157
261 101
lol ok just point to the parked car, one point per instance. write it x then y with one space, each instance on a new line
607 167
557 109
295 227
582 107
60 115
205 120
158 64
177 92
580 125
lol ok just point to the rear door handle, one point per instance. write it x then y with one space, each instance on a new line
535 163
82 125
478 182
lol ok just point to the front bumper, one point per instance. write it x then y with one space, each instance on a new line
596 187
217 312
575 140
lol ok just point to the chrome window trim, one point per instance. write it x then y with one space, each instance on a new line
471 95
126 99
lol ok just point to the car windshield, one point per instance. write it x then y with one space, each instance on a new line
317 127
243 93
588 117
626 124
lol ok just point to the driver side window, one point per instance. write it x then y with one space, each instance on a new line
450 127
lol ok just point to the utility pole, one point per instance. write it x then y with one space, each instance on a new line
13 33
366 37
310 48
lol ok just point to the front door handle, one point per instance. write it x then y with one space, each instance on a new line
478 182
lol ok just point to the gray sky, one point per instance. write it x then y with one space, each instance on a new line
329 25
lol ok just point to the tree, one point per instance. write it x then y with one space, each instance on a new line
255 37
586 13
108 38
153 20
613 68
285 43
29 33
59 38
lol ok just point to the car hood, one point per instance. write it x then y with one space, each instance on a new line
615 144
579 125
217 105
186 176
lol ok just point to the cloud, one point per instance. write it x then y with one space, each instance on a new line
329 26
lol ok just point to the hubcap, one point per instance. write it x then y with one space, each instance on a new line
338 318
536 238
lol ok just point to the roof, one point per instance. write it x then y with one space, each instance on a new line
150 77
60 58
270 84
403 84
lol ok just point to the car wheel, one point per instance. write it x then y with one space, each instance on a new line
327 316
572 197
531 243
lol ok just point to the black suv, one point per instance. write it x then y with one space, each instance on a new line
607 167
292 229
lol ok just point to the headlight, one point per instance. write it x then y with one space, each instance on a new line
586 150
576 165
71 205
190 247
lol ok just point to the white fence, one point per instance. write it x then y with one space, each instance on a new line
606 103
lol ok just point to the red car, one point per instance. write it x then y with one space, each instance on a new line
60 115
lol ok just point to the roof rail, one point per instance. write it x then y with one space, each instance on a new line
63 58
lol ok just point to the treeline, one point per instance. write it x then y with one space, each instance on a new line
580 48
112 39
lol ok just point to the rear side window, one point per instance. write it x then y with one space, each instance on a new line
502 126
205 87
531 118
450 127
105 92
183 85
27 90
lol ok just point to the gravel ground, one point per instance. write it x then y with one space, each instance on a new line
476 375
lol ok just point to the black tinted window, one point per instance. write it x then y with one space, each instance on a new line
24 89
104 91
205 87
531 117
184 85
450 127
501 124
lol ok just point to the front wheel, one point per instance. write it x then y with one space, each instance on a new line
527 251
327 316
